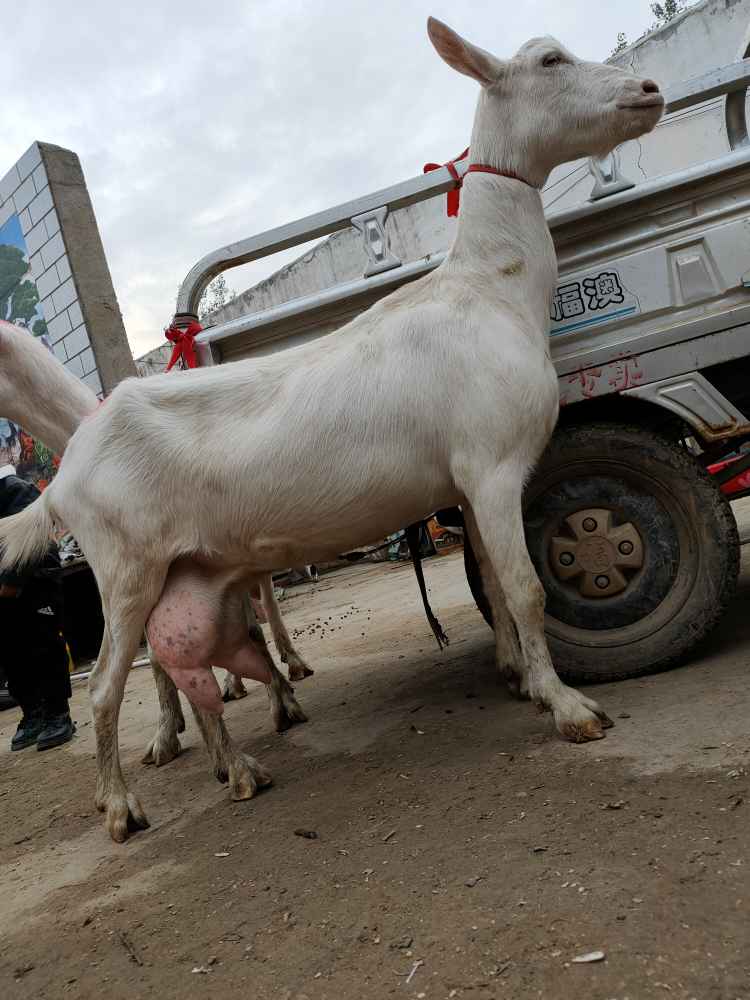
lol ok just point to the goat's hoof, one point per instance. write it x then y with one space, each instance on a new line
234 689
297 668
605 720
246 778
125 815
162 749
593 706
578 718
287 713
582 732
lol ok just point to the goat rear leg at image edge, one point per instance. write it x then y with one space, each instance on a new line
285 709
243 773
508 652
165 745
498 512
296 665
129 600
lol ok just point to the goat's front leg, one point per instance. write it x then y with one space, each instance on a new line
508 651
243 773
126 605
296 666
165 745
496 503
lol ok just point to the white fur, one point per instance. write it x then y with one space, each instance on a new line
38 394
441 394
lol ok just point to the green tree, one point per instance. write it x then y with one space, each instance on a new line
622 43
664 12
25 300
12 269
216 295
18 295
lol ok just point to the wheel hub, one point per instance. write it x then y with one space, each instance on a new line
596 553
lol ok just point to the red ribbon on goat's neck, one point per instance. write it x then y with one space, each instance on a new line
184 344
454 195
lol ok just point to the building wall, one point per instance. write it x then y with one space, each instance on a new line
26 205
154 361
54 282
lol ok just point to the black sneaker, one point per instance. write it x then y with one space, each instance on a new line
58 729
28 731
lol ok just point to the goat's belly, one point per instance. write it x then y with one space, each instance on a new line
321 537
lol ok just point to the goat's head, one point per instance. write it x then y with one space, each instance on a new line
544 106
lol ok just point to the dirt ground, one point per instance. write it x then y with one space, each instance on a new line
463 850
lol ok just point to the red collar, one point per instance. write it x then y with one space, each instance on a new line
479 168
482 168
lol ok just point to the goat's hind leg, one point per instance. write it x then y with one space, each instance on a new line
497 508
297 667
243 773
285 709
233 689
165 745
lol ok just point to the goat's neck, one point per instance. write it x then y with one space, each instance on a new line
503 237
38 394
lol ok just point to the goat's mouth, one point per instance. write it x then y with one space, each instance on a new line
644 104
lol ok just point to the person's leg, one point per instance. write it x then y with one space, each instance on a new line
15 628
50 660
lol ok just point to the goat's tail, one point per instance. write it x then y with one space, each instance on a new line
25 537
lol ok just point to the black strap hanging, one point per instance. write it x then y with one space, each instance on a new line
412 540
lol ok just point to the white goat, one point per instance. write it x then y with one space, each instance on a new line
441 394
38 394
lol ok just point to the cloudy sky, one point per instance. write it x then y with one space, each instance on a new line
199 123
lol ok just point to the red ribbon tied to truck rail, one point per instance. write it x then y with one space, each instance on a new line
184 344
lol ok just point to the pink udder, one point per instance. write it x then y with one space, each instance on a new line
188 637
200 687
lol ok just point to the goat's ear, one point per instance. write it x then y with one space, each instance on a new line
462 55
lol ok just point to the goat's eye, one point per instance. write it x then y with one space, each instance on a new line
552 59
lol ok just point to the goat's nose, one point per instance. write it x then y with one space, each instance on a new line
650 87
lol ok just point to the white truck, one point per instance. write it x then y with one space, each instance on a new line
628 516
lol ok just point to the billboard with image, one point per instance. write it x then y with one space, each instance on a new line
55 283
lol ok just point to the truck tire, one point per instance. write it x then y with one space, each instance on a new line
636 546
